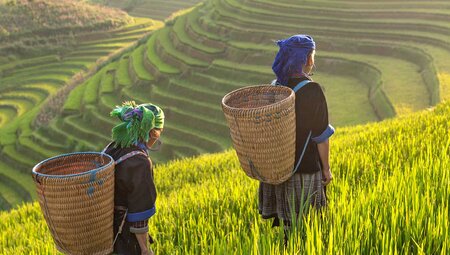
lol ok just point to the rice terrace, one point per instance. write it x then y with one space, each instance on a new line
384 67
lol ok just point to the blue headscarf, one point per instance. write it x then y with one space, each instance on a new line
292 55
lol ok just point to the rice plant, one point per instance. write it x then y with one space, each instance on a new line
390 196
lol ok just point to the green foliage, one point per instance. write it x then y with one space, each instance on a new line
75 98
107 82
32 27
379 201
137 58
91 91
21 16
153 57
122 76
166 42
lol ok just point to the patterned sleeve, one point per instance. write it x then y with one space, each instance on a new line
321 129
139 227
141 191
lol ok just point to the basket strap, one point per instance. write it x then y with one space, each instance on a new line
303 152
104 150
300 85
120 227
129 155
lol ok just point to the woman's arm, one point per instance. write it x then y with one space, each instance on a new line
324 153
142 239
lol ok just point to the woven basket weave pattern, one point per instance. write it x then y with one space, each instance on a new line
76 195
262 127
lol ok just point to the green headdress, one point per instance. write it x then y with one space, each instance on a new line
137 121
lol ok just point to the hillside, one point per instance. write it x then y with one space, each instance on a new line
390 195
42 24
27 83
187 66
155 9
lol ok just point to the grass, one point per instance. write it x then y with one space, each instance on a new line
29 62
402 83
9 194
342 112
170 49
180 33
27 83
75 98
107 81
24 180
49 26
193 24
189 89
122 75
91 90
245 20
378 201
138 64
11 152
159 63
40 152
155 9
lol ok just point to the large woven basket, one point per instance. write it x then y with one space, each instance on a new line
262 128
76 195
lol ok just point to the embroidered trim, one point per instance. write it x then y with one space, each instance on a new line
325 135
133 217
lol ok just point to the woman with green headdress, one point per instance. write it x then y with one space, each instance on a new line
134 192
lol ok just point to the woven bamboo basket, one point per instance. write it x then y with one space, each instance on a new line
76 195
262 127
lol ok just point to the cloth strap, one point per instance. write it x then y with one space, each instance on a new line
129 155
300 85
126 156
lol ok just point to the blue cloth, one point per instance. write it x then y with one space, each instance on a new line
140 216
293 54
329 131
143 146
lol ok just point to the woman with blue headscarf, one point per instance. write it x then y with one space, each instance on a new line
134 190
292 66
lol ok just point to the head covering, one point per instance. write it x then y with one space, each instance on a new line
293 54
136 123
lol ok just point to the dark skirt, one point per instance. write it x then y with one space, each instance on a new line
126 243
298 193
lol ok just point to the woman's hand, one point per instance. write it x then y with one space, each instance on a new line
147 252
326 176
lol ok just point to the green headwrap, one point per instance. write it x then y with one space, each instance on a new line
137 121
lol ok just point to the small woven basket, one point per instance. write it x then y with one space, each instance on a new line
262 128
76 195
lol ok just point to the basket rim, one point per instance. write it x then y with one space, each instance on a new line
71 175
254 86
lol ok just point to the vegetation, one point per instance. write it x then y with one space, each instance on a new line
390 196
155 9
29 26
391 189
34 87
186 67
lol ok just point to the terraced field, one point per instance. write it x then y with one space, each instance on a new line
155 9
26 84
374 60
187 67
31 28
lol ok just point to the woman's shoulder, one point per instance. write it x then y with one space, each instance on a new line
314 86
312 89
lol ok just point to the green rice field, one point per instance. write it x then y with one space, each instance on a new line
390 195
384 69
